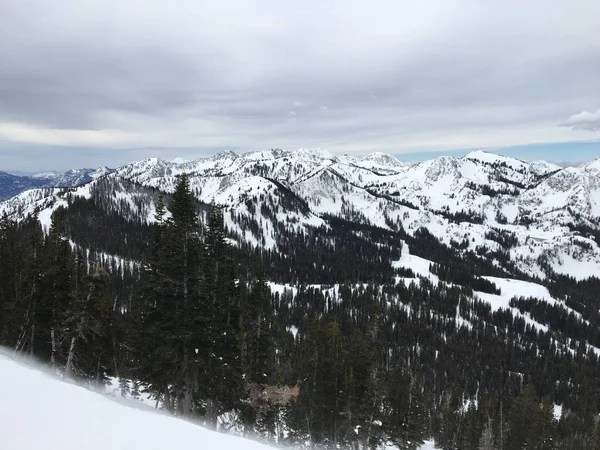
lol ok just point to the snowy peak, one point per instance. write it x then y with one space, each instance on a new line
494 159
543 167
592 166
77 177
381 161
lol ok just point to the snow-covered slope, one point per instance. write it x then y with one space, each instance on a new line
39 412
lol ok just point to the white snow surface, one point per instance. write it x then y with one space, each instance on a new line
39 412
427 445
558 409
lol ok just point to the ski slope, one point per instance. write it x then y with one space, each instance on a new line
40 412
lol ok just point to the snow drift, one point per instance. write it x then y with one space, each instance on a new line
38 411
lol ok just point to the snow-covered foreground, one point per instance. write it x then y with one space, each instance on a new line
40 412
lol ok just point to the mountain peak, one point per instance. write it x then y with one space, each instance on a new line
225 154
593 165
485 157
383 159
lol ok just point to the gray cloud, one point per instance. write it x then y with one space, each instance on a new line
350 76
589 121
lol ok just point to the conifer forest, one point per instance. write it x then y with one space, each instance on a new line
315 345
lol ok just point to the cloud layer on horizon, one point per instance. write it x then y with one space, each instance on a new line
349 76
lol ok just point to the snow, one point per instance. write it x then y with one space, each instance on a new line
419 266
492 158
557 411
514 288
427 445
580 270
39 412
511 288
293 329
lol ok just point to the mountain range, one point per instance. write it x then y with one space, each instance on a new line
550 213
465 289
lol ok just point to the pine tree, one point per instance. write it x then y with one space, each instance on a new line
89 322
31 286
165 306
317 413
219 313
257 340
405 416
56 293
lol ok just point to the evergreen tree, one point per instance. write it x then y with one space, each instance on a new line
405 419
89 323
56 293
151 333
219 314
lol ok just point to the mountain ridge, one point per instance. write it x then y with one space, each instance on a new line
11 185
455 198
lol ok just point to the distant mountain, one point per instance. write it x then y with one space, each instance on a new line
11 185
76 177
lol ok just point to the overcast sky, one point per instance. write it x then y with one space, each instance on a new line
103 82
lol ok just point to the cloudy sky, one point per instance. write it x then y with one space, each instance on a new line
104 82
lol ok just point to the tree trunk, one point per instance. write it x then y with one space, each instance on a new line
53 341
211 413
32 339
70 358
167 400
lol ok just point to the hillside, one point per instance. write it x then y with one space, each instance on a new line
453 294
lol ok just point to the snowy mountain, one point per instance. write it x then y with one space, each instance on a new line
453 198
73 177
11 185
544 208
